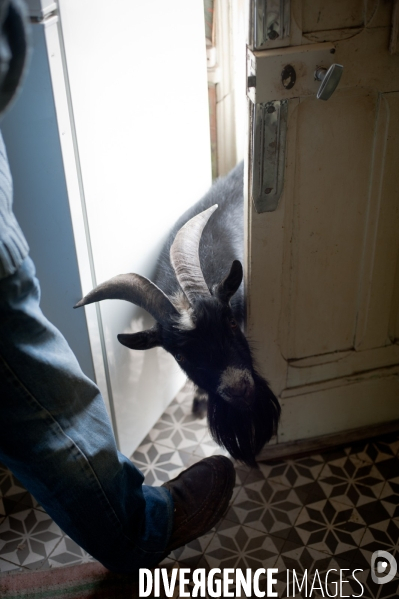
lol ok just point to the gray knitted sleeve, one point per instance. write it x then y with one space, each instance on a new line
13 245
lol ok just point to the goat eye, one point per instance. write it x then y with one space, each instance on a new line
233 323
179 358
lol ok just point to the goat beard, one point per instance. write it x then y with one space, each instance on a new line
244 431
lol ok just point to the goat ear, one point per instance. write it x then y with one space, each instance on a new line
143 340
227 288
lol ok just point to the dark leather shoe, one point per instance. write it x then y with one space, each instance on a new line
200 495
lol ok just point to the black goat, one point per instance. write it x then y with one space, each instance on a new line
198 305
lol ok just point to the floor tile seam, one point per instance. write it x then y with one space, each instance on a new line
36 510
211 537
171 422
156 465
294 525
366 528
387 482
25 508
269 479
226 519
4 521
187 402
232 504
16 491
267 506
286 483
62 537
358 482
273 537
253 527
273 508
336 501
304 546
172 428
13 563
325 464
238 558
207 432
276 484
25 494
20 502
45 566
162 443
55 564
349 505
245 475
171 448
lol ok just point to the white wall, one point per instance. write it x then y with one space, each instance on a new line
137 76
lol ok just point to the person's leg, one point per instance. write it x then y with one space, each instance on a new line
56 437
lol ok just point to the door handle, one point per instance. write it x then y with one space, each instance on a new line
329 80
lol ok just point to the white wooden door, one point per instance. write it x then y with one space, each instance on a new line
322 265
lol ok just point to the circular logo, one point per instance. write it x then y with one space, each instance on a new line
386 564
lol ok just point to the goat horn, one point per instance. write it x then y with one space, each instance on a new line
137 290
184 255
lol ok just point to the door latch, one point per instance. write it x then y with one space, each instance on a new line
274 77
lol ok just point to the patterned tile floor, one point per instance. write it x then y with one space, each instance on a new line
324 511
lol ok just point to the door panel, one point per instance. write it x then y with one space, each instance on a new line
344 407
319 15
382 234
322 269
328 221
322 20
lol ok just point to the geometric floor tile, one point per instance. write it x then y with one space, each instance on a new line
28 501
28 537
381 535
301 474
390 498
186 394
376 450
191 555
266 506
159 463
351 480
236 546
11 491
321 512
207 446
330 526
178 428
67 552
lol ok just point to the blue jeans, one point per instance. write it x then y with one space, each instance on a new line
56 437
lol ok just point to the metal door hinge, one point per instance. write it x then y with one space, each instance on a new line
267 153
